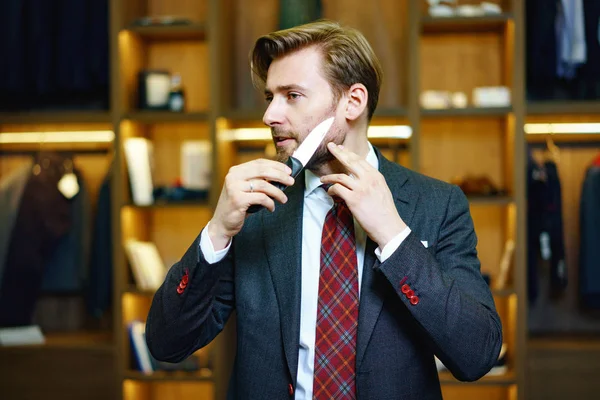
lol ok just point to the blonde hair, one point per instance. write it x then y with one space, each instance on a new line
347 56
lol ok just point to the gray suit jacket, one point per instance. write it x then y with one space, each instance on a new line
454 319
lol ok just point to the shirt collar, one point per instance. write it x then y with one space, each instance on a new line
312 181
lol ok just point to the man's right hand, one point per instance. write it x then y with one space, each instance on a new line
245 185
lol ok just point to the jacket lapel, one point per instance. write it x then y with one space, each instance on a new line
371 300
283 233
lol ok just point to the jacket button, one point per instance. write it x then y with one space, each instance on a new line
185 279
414 300
410 293
179 289
405 288
291 389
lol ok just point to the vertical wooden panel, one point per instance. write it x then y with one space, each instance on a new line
461 62
132 58
489 227
451 149
175 228
385 25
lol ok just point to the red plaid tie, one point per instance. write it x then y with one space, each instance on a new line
337 310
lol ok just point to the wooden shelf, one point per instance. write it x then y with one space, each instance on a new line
60 117
571 107
467 112
490 200
153 117
508 379
96 341
203 375
170 32
458 24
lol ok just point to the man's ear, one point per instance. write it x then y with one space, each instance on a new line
357 98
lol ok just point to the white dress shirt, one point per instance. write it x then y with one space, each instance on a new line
316 205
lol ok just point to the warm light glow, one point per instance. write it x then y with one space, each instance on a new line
562 128
377 132
57 137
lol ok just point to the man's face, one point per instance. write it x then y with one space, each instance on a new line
299 98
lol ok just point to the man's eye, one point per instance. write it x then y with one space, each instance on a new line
269 99
293 96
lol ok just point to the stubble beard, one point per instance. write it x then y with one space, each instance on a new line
322 155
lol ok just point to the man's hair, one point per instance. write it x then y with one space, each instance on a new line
347 56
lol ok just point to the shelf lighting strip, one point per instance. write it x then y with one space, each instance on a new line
562 128
378 132
57 137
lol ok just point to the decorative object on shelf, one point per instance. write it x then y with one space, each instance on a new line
140 164
154 88
482 185
501 281
435 99
297 12
491 96
176 95
147 266
437 8
163 20
196 164
176 193
21 336
441 100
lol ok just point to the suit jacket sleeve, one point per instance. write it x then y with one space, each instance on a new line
455 310
178 324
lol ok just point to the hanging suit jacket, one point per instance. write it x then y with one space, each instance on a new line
545 228
43 218
589 255
455 317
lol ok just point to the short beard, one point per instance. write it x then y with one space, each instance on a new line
323 156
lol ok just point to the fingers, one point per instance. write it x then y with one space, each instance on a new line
263 169
343 179
260 186
352 162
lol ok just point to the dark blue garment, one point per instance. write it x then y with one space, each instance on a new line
66 271
544 220
589 255
100 275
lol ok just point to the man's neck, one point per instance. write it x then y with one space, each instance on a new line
357 144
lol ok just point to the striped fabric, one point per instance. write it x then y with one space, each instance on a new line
337 310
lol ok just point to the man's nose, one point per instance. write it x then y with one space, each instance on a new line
274 114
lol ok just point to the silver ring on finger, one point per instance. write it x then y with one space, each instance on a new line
251 187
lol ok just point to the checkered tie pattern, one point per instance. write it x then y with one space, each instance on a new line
337 310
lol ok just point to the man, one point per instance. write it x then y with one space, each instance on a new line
408 279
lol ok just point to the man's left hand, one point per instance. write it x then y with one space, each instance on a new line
367 195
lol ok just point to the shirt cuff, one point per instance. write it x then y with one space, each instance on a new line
208 250
392 246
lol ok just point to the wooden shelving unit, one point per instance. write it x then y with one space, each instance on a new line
418 53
